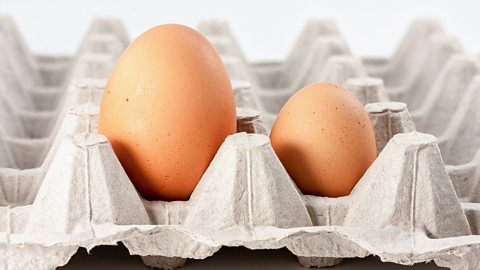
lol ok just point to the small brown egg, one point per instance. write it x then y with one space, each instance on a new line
324 139
167 107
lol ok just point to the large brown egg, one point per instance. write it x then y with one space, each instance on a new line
167 107
324 139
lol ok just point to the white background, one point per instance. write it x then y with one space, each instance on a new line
265 29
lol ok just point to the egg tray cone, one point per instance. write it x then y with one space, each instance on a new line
405 209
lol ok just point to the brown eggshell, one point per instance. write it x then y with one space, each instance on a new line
324 139
167 107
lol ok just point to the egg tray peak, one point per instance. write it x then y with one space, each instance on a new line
75 194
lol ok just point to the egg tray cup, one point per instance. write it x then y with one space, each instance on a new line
404 209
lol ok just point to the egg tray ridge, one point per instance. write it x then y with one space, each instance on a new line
45 230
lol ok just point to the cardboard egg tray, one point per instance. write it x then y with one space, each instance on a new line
62 187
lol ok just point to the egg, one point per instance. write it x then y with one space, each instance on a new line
324 139
167 107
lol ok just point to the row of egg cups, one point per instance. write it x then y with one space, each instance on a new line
29 96
61 203
89 65
29 131
95 59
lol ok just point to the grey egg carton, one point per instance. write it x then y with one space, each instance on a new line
62 187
